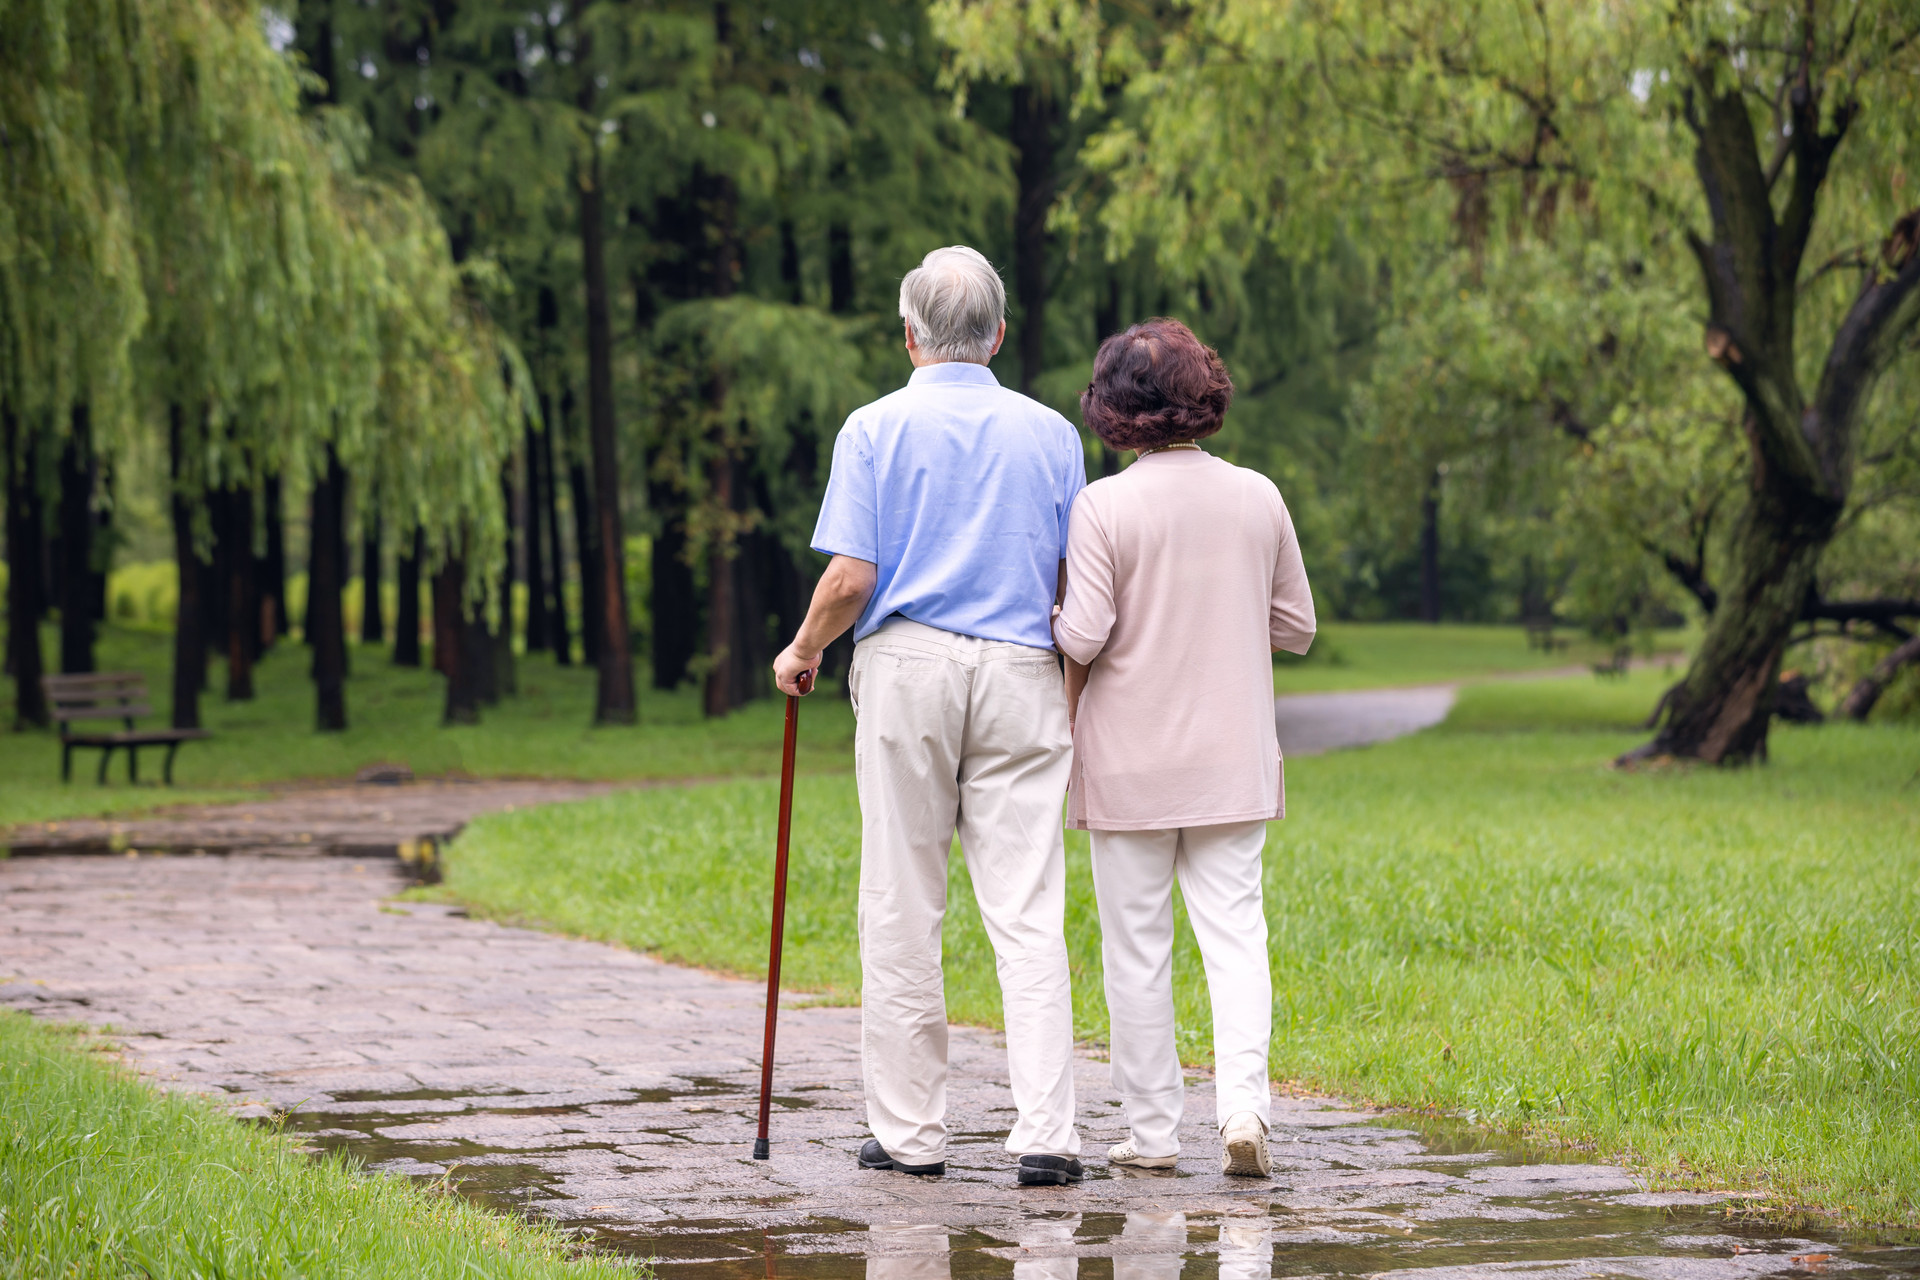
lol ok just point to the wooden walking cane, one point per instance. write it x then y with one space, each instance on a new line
761 1149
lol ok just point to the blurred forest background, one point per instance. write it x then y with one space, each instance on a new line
489 329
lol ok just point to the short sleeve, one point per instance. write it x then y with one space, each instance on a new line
849 523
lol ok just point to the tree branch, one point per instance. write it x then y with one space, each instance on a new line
1883 613
1867 690
1885 311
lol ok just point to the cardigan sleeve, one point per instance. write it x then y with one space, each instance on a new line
1085 619
1290 620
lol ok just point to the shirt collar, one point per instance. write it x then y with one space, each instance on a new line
953 371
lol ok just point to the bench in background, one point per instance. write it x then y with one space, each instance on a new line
110 695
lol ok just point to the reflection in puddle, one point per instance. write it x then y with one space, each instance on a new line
659 1172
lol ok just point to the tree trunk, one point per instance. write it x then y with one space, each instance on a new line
1430 550
675 609
102 538
1034 117
464 641
587 554
533 526
189 623
1720 712
614 700
446 620
1106 323
1800 448
1866 691
24 536
326 579
839 268
77 475
502 682
559 633
215 596
243 615
271 569
373 628
723 602
406 614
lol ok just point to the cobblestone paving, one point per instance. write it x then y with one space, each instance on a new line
616 1093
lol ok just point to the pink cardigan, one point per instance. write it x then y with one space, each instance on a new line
1183 577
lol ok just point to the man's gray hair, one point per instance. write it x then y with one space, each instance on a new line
955 302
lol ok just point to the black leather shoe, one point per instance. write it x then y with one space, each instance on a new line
874 1156
1048 1171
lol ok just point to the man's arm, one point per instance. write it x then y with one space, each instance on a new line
838 598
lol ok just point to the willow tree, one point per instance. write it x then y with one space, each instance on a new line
183 250
1764 148
782 167
73 78
449 395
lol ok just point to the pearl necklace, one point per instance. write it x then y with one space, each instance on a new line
1177 444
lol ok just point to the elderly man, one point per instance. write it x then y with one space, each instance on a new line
946 517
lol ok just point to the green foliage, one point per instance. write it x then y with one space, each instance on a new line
1710 974
103 1176
1519 184
541 733
182 249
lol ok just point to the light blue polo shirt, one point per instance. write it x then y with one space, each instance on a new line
958 490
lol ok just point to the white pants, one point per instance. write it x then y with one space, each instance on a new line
955 733
1219 870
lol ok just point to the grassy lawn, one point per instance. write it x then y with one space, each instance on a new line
1712 974
1371 655
101 1176
394 714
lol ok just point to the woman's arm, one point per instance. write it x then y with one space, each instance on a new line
1076 682
1085 616
1290 620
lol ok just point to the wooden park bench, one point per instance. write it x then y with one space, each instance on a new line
110 695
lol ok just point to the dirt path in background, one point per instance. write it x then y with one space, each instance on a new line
1310 723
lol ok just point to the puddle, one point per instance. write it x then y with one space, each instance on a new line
659 1173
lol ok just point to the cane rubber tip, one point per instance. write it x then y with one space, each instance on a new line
762 1149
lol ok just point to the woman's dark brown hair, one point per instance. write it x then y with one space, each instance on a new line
1154 384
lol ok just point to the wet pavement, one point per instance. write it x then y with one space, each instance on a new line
616 1094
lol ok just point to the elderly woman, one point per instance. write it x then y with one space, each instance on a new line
1183 578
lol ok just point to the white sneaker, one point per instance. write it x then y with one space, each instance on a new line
1243 1147
1124 1155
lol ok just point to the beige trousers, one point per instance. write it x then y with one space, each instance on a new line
1219 872
960 734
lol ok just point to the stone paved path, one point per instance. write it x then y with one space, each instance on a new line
616 1093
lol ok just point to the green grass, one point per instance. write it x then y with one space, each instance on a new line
544 731
1710 973
1369 655
394 714
101 1176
